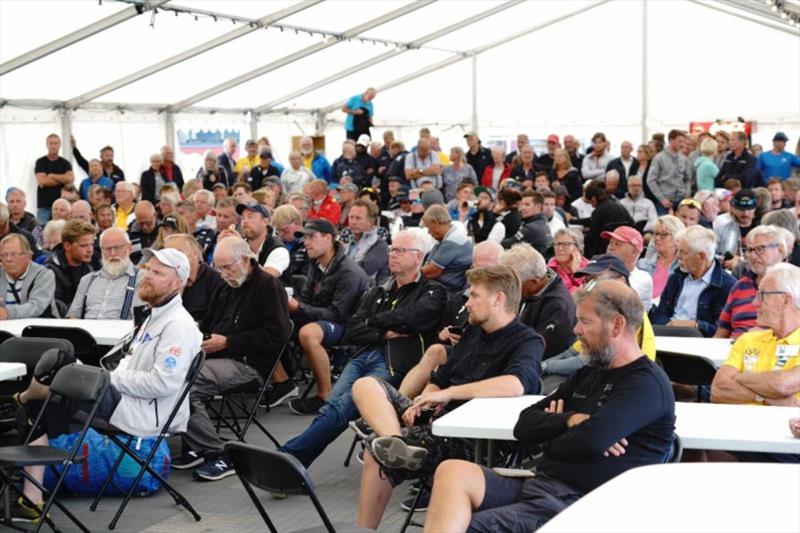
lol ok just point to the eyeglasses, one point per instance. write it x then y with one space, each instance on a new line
761 295
563 244
396 250
11 255
113 249
662 234
758 250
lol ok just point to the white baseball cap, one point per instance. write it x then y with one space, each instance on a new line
363 140
172 258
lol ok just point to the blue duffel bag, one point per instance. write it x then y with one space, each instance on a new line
97 455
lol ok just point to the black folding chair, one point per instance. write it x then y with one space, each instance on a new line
117 437
74 382
688 369
275 471
5 335
675 331
83 342
238 408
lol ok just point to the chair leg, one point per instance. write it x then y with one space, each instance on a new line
51 500
113 471
351 450
258 505
320 510
407 522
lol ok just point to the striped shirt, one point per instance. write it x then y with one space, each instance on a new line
739 314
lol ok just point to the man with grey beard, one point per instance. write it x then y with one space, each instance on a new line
110 293
244 328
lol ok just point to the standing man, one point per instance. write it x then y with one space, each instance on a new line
594 164
740 164
477 156
778 163
226 159
571 146
71 260
52 173
423 162
544 163
357 106
108 168
668 175
171 172
626 165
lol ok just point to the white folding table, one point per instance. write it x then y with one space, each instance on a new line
705 426
12 370
105 332
708 497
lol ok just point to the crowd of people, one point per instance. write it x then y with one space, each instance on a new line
412 280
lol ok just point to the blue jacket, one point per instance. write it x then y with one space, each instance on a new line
320 167
709 306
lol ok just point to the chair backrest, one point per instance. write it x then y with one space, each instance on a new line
81 382
5 335
29 350
269 470
688 369
84 344
676 453
674 331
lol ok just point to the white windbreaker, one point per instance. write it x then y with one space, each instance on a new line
152 377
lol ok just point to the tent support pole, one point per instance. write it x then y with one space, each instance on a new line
169 128
475 92
320 123
65 117
253 125
644 72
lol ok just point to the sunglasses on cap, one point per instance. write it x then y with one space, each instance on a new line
692 203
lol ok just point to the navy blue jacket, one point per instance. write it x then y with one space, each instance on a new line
709 306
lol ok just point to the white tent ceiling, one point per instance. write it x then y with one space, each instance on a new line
285 67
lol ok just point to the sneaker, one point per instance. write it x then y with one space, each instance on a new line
21 512
361 428
360 456
414 487
188 459
306 406
215 469
422 503
393 452
281 392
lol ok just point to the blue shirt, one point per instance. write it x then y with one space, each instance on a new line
686 306
356 102
104 181
780 165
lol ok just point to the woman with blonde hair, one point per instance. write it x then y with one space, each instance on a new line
705 169
664 262
211 173
565 174
457 171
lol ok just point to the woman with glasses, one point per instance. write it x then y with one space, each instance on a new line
664 262
766 246
568 257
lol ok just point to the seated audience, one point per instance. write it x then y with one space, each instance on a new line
732 230
641 209
111 292
763 367
295 176
533 229
365 243
124 205
689 211
663 261
590 430
71 260
314 160
203 281
244 328
7 227
18 216
450 258
696 293
627 244
497 355
392 327
27 289
482 221
568 257
322 205
287 222
143 232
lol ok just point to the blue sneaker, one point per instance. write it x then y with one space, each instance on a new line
214 470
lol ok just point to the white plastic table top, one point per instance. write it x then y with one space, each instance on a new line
12 370
715 349
709 497
705 426
105 332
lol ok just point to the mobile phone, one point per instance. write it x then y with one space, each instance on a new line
455 330
424 417
514 472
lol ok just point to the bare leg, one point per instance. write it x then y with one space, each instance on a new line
374 407
458 489
418 377
36 472
310 337
280 375
374 494
35 391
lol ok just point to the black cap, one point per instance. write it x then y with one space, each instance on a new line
253 206
601 263
744 199
780 136
265 154
320 225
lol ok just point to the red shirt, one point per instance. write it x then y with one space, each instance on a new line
329 209
488 175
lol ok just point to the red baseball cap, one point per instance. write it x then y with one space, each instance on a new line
552 138
626 234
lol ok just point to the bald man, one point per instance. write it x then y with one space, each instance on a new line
144 229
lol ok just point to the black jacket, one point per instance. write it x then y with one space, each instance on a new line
197 295
67 278
141 240
397 166
744 168
349 167
533 230
219 176
28 222
331 295
413 310
551 313
616 164
572 181
271 243
479 160
481 233
607 216
253 317
511 220
116 175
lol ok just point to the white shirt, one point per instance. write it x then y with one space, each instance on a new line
583 208
556 223
642 283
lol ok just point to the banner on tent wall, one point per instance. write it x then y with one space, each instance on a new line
200 141
728 126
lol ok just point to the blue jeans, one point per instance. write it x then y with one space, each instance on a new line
339 408
42 214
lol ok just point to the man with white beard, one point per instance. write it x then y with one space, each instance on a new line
110 293
313 160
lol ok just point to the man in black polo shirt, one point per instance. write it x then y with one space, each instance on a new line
477 156
52 173
264 170
497 355
613 415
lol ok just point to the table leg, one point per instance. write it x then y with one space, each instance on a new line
478 451
490 453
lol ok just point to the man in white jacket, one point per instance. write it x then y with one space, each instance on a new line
149 378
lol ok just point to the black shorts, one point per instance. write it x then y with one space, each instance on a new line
520 505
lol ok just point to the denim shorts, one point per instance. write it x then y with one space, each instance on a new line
332 332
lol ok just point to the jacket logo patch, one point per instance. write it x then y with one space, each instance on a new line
175 350
170 363
146 337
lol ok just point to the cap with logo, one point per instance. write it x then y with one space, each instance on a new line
174 259
744 200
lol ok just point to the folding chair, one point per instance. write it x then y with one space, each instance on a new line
237 407
5 335
117 437
275 471
83 342
74 382
685 369
675 331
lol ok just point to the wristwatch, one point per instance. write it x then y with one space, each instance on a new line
759 398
